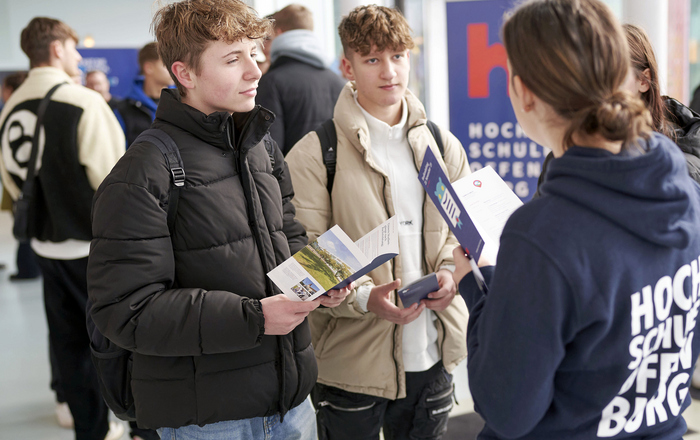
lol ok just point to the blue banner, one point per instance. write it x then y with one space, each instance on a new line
481 115
120 65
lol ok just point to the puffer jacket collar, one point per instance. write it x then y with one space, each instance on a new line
350 119
242 131
687 126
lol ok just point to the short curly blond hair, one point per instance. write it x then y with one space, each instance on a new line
371 26
184 29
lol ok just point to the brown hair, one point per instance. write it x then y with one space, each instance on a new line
642 57
368 26
293 17
14 80
147 53
184 29
37 37
572 54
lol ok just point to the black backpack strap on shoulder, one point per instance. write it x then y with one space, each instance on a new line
21 227
435 131
270 147
329 140
167 146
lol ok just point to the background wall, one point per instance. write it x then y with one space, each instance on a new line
122 23
126 23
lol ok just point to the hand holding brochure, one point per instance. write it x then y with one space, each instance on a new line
443 195
333 261
475 207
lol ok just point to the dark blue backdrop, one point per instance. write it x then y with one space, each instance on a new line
481 115
120 65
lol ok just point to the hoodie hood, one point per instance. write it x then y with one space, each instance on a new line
137 94
301 45
650 195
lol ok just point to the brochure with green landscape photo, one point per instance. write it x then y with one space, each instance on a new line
333 261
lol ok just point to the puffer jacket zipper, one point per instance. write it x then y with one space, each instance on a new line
246 179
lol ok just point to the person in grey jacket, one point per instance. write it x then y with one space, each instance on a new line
298 88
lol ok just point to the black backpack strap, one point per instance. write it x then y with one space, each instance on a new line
435 131
22 205
167 146
269 146
329 140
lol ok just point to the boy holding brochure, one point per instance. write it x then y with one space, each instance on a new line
382 365
217 351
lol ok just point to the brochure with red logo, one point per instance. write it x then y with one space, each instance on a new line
475 207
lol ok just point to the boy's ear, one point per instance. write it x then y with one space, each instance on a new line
147 67
184 75
346 68
56 49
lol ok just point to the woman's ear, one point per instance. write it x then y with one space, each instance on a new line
645 83
526 97
183 74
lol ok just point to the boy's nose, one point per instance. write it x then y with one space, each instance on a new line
253 72
388 72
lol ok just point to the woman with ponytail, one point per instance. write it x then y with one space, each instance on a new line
586 330
669 116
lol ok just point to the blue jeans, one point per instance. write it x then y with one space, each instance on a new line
299 424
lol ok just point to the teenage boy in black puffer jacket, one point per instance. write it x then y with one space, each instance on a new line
215 346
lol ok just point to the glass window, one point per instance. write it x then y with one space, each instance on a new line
694 46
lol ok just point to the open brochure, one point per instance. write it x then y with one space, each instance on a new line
475 207
488 201
333 261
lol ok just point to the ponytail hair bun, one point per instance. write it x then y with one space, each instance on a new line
619 117
573 55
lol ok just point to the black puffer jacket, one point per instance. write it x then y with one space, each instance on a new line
188 306
302 97
686 125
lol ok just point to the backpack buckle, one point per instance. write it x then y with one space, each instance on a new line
178 176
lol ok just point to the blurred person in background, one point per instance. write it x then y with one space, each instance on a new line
81 143
137 110
97 80
27 268
669 116
298 87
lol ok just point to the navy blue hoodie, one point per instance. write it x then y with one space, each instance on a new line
588 327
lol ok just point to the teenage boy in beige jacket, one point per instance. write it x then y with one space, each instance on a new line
382 365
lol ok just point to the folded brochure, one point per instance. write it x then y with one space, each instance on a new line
333 261
475 207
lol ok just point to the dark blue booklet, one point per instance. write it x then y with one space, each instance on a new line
418 289
444 196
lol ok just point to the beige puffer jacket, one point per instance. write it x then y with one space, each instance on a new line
357 351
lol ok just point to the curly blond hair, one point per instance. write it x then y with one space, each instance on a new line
184 29
371 26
